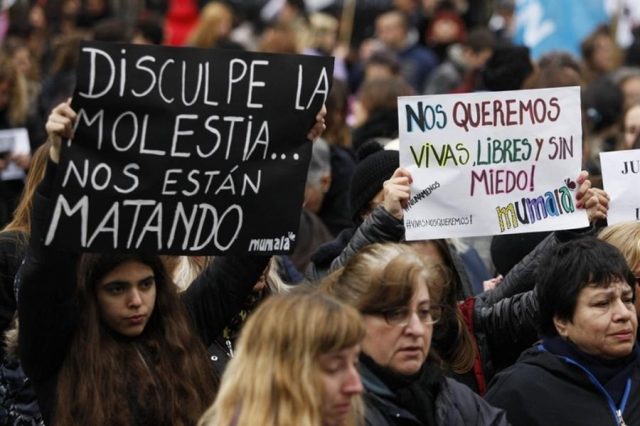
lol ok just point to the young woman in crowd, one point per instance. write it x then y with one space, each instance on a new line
105 338
391 285
587 368
296 364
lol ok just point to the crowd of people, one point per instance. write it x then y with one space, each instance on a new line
356 326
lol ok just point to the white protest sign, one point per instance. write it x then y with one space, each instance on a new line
621 179
491 163
14 141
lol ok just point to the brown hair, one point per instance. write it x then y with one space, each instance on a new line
21 221
338 132
589 46
382 276
555 69
18 105
382 94
164 372
452 341
278 38
66 52
207 31
379 277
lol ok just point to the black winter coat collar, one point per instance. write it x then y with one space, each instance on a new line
542 389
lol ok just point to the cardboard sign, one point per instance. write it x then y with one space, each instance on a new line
621 179
491 163
183 150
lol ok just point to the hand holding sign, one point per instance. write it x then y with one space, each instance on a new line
319 126
397 191
491 163
597 204
60 126
183 151
594 200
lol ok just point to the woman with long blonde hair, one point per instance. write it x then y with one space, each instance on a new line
295 366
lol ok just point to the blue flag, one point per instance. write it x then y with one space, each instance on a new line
551 25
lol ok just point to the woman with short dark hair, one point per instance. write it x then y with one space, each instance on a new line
587 368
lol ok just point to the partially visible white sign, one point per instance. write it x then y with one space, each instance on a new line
621 180
492 162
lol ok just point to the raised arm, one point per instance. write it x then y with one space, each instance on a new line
521 278
46 280
384 224
220 291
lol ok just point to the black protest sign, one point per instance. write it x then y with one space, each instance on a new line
187 151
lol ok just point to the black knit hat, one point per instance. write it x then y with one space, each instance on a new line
375 166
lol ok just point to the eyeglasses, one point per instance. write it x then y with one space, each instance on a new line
401 317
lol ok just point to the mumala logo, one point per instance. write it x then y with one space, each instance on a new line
271 244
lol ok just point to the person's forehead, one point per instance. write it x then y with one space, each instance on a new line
613 287
634 112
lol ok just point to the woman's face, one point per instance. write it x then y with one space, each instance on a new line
341 382
604 323
401 348
631 126
603 58
126 297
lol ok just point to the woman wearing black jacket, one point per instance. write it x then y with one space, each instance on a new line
106 339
